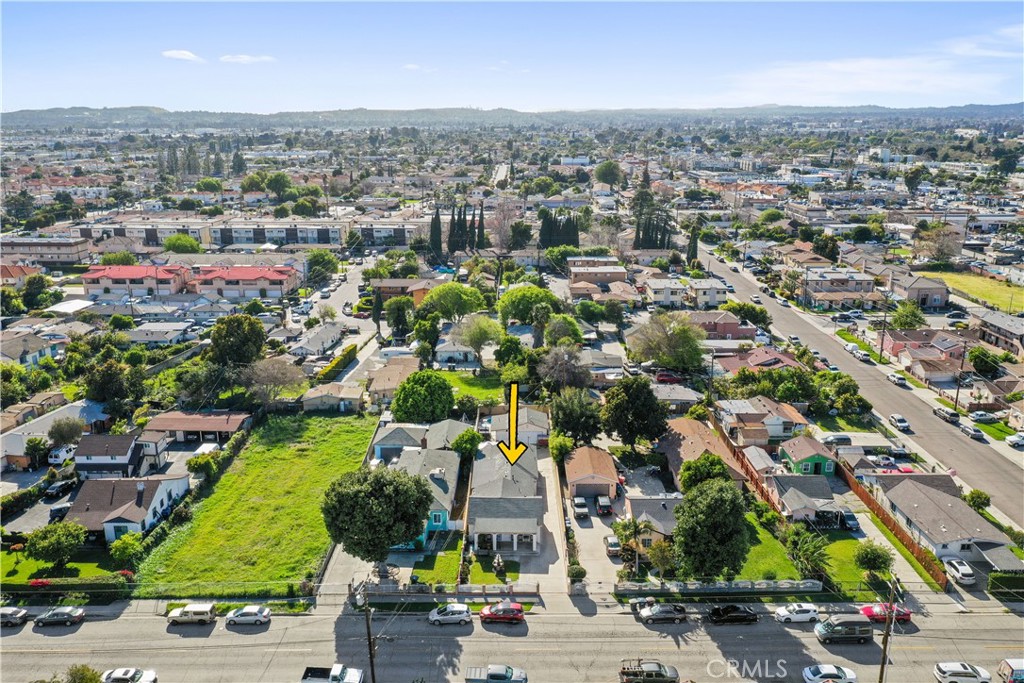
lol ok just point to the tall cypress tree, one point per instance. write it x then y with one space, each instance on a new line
471 232
453 234
481 236
435 233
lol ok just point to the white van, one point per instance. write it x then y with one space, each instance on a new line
851 347
1011 671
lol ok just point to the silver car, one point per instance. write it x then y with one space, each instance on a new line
250 614
129 675
452 613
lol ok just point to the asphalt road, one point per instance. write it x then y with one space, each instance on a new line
553 648
977 464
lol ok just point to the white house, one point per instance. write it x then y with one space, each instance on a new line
115 507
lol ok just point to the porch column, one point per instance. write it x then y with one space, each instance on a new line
535 541
515 543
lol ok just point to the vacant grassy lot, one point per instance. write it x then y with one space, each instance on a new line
844 423
985 289
261 529
482 387
442 567
16 567
766 557
845 573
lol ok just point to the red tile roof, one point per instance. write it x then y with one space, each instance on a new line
134 272
274 274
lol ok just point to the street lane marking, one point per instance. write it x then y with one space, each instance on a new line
294 649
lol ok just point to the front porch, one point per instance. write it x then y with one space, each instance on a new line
487 543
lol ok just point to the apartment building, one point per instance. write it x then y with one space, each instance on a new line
135 280
47 251
246 282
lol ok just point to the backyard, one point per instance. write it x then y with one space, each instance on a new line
1000 294
260 531
483 386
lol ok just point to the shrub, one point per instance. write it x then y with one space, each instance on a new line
769 575
99 588
1005 582
23 499
577 572
339 363
181 514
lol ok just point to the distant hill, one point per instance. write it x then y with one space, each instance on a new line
155 117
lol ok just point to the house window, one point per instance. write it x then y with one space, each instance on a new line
435 518
944 546
120 530
805 468
829 466
965 547
646 542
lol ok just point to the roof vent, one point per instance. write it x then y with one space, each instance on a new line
437 473
140 486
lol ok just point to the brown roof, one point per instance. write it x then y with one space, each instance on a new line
802 447
394 373
588 460
102 500
177 420
687 439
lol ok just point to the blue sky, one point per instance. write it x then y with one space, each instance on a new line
267 57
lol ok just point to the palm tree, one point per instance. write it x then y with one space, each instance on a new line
539 316
809 553
629 531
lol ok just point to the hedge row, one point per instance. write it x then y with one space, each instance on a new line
340 362
108 587
13 503
1005 582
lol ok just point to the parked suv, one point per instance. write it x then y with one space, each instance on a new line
579 507
193 614
604 505
946 414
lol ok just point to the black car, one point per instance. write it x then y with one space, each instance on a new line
61 615
732 614
59 488
662 612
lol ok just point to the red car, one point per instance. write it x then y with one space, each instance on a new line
879 612
511 612
362 315
668 378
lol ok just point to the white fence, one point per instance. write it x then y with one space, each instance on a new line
700 587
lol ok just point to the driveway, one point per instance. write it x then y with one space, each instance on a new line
13 481
548 566
590 534
37 516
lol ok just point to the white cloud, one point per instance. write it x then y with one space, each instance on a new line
412 67
1004 43
183 55
247 59
419 68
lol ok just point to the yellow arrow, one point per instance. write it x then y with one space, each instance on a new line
512 452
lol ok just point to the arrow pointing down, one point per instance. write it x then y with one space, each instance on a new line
512 452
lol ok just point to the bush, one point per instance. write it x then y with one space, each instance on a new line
181 514
340 362
23 499
577 572
1005 582
98 588
769 575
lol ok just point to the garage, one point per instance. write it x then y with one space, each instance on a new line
591 490
590 472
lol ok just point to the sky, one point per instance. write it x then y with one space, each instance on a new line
531 56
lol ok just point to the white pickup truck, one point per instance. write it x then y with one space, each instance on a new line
495 673
339 673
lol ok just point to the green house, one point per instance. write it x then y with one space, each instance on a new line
806 455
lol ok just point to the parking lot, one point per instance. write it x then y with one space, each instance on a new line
37 516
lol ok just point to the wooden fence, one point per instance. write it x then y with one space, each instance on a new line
922 555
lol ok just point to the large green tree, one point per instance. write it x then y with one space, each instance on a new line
707 467
476 332
320 266
562 327
752 313
377 311
454 301
398 311
518 302
609 172
671 340
237 340
369 511
908 316
183 244
826 246
711 533
65 430
632 411
119 258
55 543
425 396
574 414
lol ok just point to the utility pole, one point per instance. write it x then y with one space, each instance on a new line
889 617
963 357
885 314
371 646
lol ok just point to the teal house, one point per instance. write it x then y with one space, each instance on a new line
806 455
441 470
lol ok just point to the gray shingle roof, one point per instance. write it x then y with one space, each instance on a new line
427 463
941 517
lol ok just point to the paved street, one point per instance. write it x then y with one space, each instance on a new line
554 647
978 465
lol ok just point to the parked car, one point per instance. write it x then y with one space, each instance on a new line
972 431
60 615
898 380
960 672
508 612
362 315
960 571
662 612
250 614
604 506
58 489
856 314
784 303
880 612
652 309
729 288
829 673
732 614
957 315
794 340
899 422
612 547
579 507
199 613
796 612
842 318
848 520
452 613
59 511
12 616
129 676
666 377
755 298
982 417
946 414
734 269
1016 440
837 440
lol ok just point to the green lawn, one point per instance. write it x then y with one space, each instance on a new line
260 530
982 288
483 387
845 573
845 423
442 567
16 567
863 345
949 404
766 555
902 550
480 571
997 430
913 381
72 391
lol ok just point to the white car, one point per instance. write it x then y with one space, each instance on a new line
129 676
798 611
452 613
1016 439
755 298
794 340
960 672
829 673
899 422
898 380
250 614
960 571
